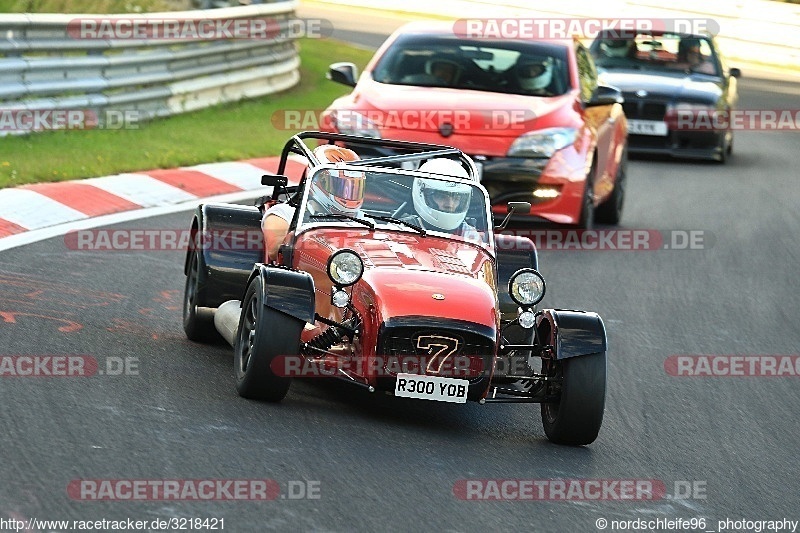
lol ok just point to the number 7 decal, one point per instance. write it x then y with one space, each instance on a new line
441 348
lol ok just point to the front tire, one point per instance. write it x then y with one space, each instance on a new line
264 334
576 418
610 211
586 220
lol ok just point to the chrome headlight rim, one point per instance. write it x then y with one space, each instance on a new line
516 277
333 262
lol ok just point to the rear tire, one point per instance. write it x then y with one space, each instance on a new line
196 328
264 334
576 418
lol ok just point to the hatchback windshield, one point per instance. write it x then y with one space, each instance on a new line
536 69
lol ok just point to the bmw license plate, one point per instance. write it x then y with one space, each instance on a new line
647 127
431 388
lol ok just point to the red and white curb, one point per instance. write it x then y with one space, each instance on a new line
34 212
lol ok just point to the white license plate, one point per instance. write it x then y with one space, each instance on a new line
647 127
431 388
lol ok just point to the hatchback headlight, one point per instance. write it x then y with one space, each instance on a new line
543 143
354 123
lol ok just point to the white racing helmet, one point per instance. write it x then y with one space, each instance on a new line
615 47
442 204
338 191
535 73
439 66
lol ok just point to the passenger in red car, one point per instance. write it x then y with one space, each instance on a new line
332 192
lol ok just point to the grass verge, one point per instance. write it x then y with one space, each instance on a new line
221 133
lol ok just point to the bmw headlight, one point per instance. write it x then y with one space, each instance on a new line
354 123
543 143
526 287
345 267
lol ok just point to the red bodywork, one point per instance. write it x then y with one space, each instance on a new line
602 130
402 272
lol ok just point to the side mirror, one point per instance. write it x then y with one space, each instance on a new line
605 95
344 73
274 180
523 208
734 72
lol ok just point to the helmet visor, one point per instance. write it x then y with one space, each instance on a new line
349 188
447 201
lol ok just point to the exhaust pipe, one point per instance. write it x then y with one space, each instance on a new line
226 320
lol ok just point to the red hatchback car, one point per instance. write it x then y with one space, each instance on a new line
530 113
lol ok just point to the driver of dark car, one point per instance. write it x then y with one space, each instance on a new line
689 53
618 48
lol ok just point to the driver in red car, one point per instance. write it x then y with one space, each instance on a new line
534 75
442 205
331 192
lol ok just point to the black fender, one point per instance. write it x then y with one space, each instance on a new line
289 291
231 242
571 333
513 253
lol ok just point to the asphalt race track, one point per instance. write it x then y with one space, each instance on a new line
380 463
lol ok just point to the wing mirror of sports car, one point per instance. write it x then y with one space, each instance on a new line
344 73
274 180
605 95
734 72
522 208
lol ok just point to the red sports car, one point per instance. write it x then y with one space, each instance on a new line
391 280
530 113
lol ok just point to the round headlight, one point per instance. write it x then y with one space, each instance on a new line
345 267
526 287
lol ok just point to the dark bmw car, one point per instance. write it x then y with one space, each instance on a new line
677 89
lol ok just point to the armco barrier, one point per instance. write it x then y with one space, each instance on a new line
44 65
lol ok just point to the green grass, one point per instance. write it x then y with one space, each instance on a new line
90 6
222 133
